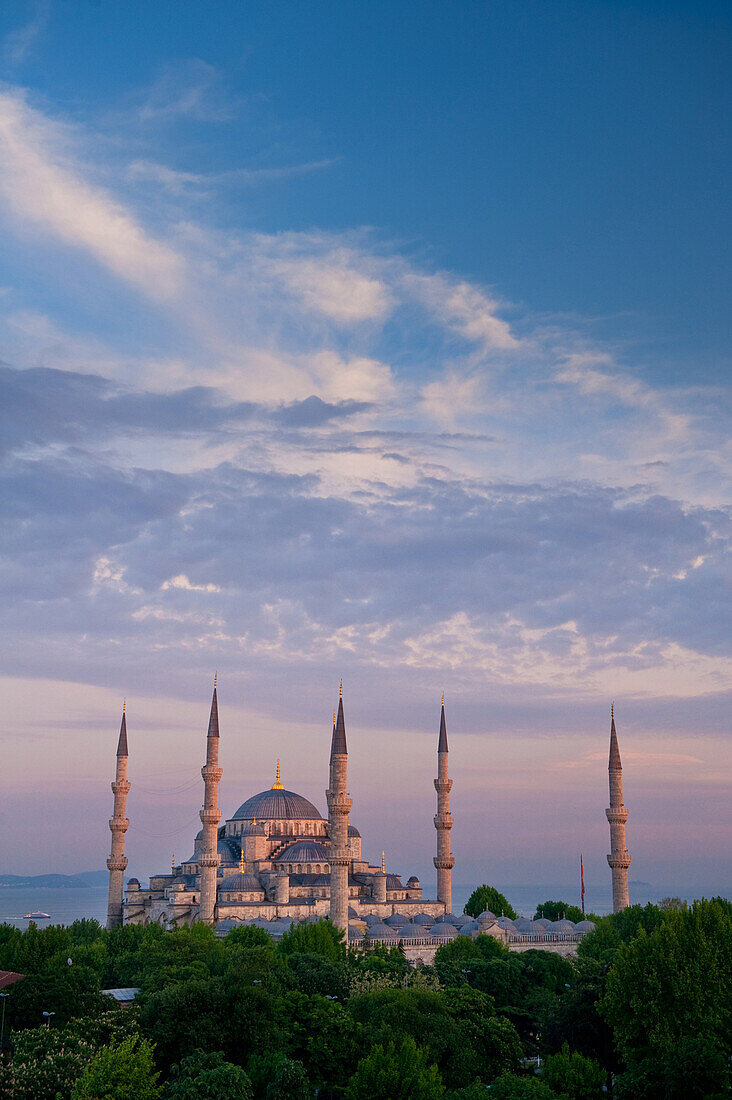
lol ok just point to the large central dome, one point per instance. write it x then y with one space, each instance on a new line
279 804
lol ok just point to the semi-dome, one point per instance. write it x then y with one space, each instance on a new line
581 926
279 805
241 882
303 851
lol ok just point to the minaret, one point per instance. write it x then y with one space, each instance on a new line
617 815
339 805
443 861
119 823
210 815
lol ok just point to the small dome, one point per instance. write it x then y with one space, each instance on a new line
504 922
354 932
396 920
228 851
563 925
371 919
303 851
383 931
412 882
448 918
424 919
537 927
444 930
136 882
241 883
581 926
352 913
462 918
280 805
353 831
548 924
486 915
253 828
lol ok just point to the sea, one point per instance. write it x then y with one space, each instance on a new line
67 904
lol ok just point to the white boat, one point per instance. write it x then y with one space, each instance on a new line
37 915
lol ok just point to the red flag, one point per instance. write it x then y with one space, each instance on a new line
582 877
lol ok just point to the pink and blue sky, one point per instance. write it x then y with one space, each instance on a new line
386 342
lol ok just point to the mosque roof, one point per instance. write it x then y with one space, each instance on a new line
583 926
253 828
444 931
303 851
241 882
353 831
279 805
394 882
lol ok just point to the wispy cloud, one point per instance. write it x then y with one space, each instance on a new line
17 44
190 88
41 185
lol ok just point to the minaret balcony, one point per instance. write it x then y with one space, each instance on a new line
117 863
210 816
211 774
119 824
443 821
443 786
616 815
339 803
445 864
211 860
619 859
123 787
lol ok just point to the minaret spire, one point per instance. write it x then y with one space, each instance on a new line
339 806
444 860
210 815
617 815
117 862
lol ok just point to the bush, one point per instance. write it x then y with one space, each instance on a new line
208 1077
123 1072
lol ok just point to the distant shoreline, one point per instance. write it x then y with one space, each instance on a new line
84 881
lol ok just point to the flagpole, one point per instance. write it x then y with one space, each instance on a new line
582 880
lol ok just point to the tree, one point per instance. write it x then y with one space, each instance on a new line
487 897
559 910
123 1072
208 1077
668 990
318 938
396 1073
573 1075
290 1082
511 1087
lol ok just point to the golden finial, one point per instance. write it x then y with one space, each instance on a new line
216 676
612 710
341 689
172 862
443 698
254 821
278 785
241 862
334 717
383 863
124 704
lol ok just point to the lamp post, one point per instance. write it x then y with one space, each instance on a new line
48 1016
2 1025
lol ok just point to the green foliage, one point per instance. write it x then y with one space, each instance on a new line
315 974
574 1076
617 928
476 1091
487 897
322 1034
509 1086
668 990
559 910
396 1073
319 938
289 1081
208 1077
123 1072
692 1069
248 935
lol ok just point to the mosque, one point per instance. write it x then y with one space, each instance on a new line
277 860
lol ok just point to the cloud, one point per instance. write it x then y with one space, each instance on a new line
181 581
179 182
40 184
187 89
18 44
464 308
